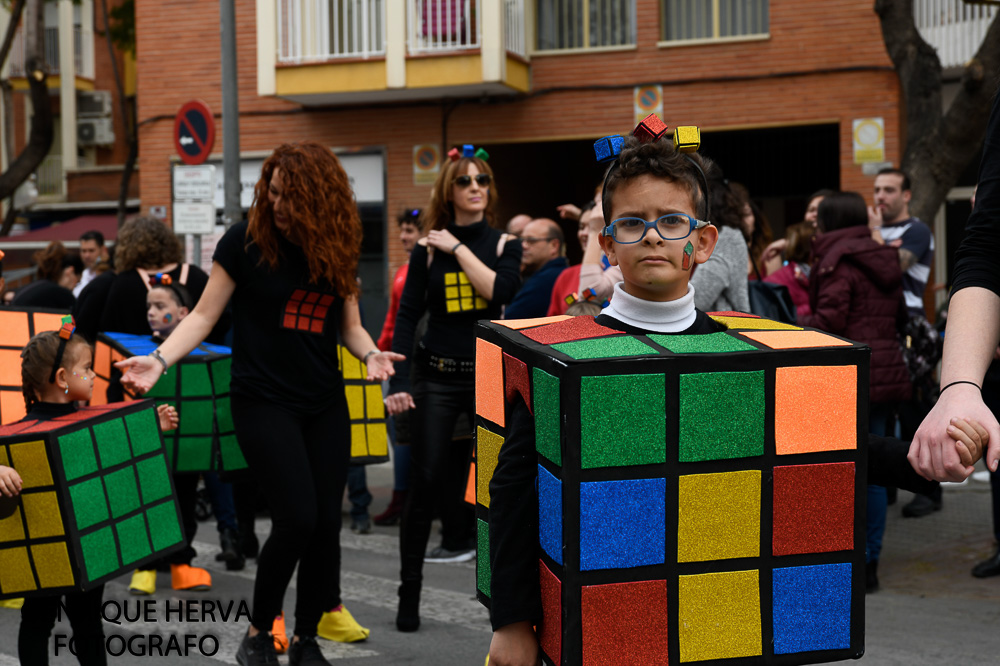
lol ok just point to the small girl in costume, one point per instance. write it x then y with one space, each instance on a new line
56 371
167 304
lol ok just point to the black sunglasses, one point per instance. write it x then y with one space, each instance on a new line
482 179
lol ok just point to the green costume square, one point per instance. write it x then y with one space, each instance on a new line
195 381
163 525
89 504
100 555
165 387
154 479
133 539
196 417
545 402
231 454
224 414
622 420
77 452
624 345
721 415
193 453
123 493
715 343
221 374
143 431
112 443
483 557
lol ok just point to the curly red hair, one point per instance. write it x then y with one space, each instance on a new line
319 202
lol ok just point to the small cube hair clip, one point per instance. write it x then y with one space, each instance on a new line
687 138
468 150
454 155
160 279
608 148
68 327
650 129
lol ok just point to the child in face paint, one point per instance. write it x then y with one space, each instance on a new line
166 306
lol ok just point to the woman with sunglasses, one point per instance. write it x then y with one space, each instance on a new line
462 271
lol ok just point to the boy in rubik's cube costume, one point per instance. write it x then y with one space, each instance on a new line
657 485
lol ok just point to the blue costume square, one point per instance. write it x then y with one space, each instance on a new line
622 523
550 534
812 608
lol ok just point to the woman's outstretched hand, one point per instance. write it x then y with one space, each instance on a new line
139 373
380 365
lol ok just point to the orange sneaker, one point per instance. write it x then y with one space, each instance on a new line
186 577
280 635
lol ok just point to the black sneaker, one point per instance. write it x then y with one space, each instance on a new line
229 542
257 650
305 652
923 505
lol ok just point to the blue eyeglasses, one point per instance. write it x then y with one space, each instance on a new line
675 226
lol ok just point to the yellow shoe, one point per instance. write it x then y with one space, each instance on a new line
280 635
339 625
187 577
12 603
143 582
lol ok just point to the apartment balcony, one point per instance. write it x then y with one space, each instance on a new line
321 52
83 60
953 27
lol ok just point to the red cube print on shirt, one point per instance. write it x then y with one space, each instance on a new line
306 311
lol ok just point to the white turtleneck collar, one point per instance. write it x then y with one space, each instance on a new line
658 316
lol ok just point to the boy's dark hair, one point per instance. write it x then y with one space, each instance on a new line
659 159
93 236
841 210
893 171
409 216
180 295
38 358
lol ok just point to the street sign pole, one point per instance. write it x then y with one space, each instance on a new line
231 212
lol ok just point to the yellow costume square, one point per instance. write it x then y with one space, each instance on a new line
32 462
451 292
359 445
373 401
41 513
719 616
487 452
11 527
467 304
452 306
15 571
463 278
378 439
355 402
52 564
451 278
718 516
754 323
465 290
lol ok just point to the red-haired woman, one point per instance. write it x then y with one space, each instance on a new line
463 271
291 275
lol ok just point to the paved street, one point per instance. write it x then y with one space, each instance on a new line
930 610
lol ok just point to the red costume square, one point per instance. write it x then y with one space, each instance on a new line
550 631
625 623
813 508
574 328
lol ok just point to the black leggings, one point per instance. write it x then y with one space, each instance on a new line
300 462
438 472
38 617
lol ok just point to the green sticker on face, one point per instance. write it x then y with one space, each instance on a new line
688 251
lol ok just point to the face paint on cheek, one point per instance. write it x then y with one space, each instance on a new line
167 318
688 251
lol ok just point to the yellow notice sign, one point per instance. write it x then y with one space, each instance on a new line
869 140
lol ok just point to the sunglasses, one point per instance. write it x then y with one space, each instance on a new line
482 179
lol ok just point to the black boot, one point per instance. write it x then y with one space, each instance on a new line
923 505
229 541
408 615
871 576
988 568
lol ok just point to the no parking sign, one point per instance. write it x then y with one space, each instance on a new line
194 132
426 163
647 100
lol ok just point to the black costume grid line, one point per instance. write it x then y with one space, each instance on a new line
71 534
32 332
570 371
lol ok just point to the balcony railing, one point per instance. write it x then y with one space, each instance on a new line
82 41
514 38
321 30
685 20
954 28
50 176
436 26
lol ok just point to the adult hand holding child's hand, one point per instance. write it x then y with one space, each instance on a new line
139 373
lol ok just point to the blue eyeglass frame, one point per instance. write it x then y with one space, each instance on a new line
609 231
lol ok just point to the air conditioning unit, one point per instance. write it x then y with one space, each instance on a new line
95 104
95 132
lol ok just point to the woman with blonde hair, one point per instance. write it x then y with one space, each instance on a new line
464 270
291 275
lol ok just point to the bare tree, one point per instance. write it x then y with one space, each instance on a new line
40 137
940 142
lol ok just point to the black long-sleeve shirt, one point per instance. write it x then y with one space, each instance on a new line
443 291
976 262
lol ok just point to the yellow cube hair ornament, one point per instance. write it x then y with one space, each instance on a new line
687 138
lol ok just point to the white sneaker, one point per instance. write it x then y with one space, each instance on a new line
443 555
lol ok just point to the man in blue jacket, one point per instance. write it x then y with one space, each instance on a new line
542 246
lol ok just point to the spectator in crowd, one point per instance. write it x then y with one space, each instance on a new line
409 234
568 282
94 254
856 291
58 272
757 230
795 273
720 284
812 209
463 271
542 247
516 225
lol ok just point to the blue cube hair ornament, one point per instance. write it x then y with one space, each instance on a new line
468 150
607 148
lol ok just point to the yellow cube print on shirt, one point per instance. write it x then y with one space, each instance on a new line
460 295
